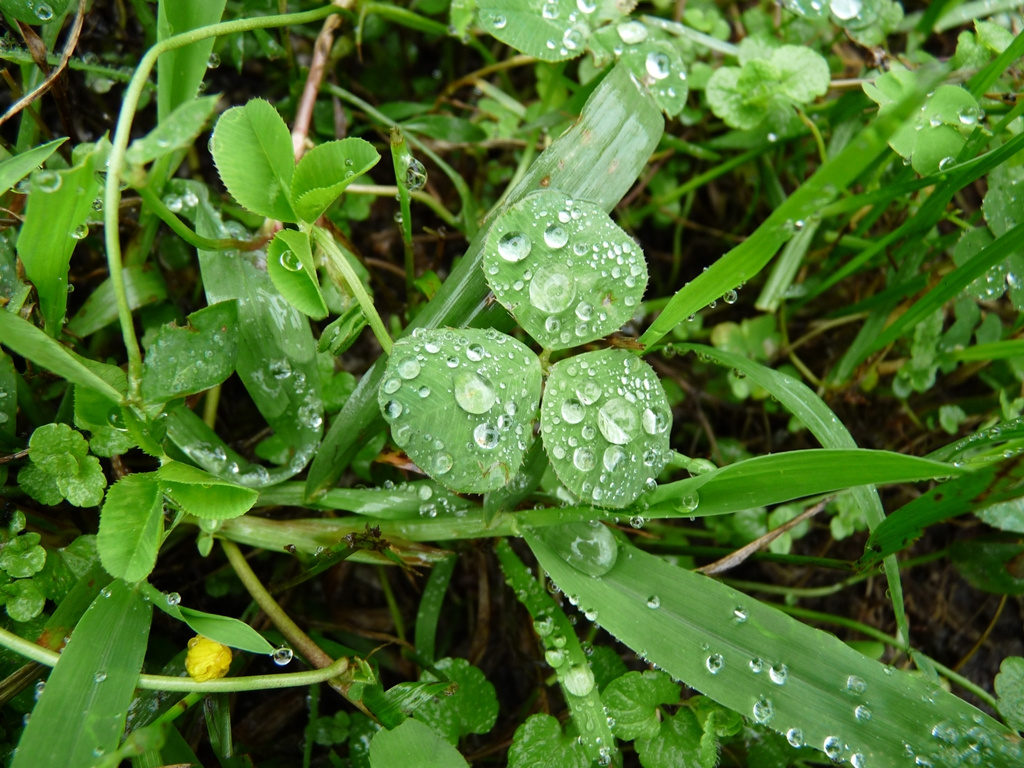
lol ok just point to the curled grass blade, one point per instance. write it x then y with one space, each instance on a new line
797 680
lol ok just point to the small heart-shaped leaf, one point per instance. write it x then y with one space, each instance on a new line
461 403
605 423
564 269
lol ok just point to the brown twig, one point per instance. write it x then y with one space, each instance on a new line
317 69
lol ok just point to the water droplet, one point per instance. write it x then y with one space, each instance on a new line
583 458
763 710
618 421
845 10
778 674
46 181
714 663
730 297
425 492
795 737
290 260
443 463
653 602
544 627
550 11
756 666
392 385
739 614
613 457
415 175
173 598
80 232
475 353
862 712
282 655
946 163
833 747
213 61
486 436
408 368
498 21
552 288
586 6
657 65
43 12
514 246
473 392
573 411
99 677
632 32
857 760
555 657
856 684
578 680
555 236
393 409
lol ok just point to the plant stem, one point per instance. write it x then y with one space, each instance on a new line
325 241
401 158
190 236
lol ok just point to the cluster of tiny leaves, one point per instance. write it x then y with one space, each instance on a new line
61 468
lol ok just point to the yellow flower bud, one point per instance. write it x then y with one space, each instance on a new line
207 659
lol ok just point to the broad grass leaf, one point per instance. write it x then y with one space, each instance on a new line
252 149
81 712
548 30
14 169
180 71
805 683
413 743
323 173
131 527
203 495
176 131
290 266
58 205
183 361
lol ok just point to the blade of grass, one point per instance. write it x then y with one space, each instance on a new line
90 689
809 685
748 258
596 160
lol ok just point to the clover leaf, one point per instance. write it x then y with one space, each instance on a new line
61 468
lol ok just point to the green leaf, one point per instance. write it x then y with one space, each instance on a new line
131 527
413 743
202 495
183 361
23 338
676 745
1007 516
803 682
991 566
95 679
472 708
23 557
633 700
659 66
323 173
23 600
175 131
605 422
143 284
550 31
474 392
61 468
58 205
103 419
540 743
1010 690
252 149
564 269
803 73
180 71
445 128
14 169
33 12
290 266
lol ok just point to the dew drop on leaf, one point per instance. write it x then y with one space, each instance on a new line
473 393
514 246
578 680
763 710
552 288
282 656
714 663
415 175
618 421
408 368
833 747
795 737
555 236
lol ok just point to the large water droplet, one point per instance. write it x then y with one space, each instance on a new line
415 175
282 656
845 10
590 549
408 368
862 713
613 457
552 288
555 236
589 392
856 684
714 663
657 65
583 458
653 602
763 710
393 409
514 246
833 747
486 436
573 411
473 392
443 463
795 737
632 32
778 674
618 421
578 680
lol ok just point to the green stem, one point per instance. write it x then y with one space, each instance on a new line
119 145
190 236
401 158
387 190
325 241
41 655
681 30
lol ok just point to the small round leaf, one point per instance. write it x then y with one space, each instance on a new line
564 269
605 423
461 403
